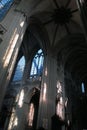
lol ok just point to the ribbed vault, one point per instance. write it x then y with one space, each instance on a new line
49 22
60 18
72 54
35 37
55 25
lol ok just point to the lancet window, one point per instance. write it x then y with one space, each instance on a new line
37 64
19 69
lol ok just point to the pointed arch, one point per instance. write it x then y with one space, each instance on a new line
19 69
37 64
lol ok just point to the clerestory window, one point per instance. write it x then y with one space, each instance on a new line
4 7
37 64
83 87
19 69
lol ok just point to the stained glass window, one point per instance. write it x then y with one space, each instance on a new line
37 64
4 6
83 88
19 70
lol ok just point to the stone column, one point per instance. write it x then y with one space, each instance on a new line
26 73
60 81
10 47
48 92
60 110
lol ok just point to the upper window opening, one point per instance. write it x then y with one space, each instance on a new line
83 88
19 69
4 6
37 64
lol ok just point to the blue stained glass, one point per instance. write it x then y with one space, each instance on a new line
83 88
19 70
37 64
4 6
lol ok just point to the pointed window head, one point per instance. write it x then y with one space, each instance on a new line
19 70
37 64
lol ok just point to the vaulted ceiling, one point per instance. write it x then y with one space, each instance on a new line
56 25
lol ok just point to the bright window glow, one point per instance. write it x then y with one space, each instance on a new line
20 102
37 64
31 114
19 69
83 88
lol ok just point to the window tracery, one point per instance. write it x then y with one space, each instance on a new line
19 69
37 64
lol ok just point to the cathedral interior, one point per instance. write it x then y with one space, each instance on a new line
43 67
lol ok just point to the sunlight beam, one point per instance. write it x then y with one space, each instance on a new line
44 92
20 102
